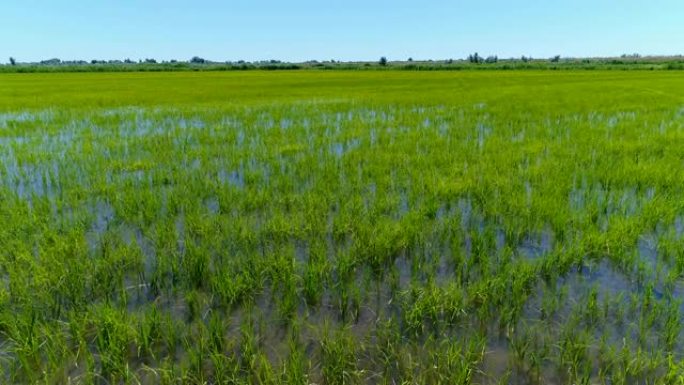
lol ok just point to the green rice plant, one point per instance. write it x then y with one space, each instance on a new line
339 363
149 332
295 368
203 228
112 342
455 362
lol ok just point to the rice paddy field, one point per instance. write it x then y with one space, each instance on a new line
358 227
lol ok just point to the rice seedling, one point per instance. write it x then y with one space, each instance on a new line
372 227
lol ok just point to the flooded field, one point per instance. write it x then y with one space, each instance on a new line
507 227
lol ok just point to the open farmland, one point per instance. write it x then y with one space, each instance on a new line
376 227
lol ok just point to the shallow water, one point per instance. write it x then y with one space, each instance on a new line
406 211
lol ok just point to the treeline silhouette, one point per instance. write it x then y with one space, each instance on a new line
472 62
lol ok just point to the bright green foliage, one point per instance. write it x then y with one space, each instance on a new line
342 227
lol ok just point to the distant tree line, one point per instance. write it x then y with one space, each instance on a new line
477 59
472 61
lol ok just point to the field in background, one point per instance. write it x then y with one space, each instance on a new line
342 227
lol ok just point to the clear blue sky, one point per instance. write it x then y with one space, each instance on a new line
297 30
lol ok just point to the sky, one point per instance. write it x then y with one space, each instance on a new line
300 30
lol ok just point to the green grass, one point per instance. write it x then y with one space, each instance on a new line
342 227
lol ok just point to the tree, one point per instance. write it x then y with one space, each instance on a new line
410 59
13 61
555 59
492 59
475 58
52 62
383 61
197 60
